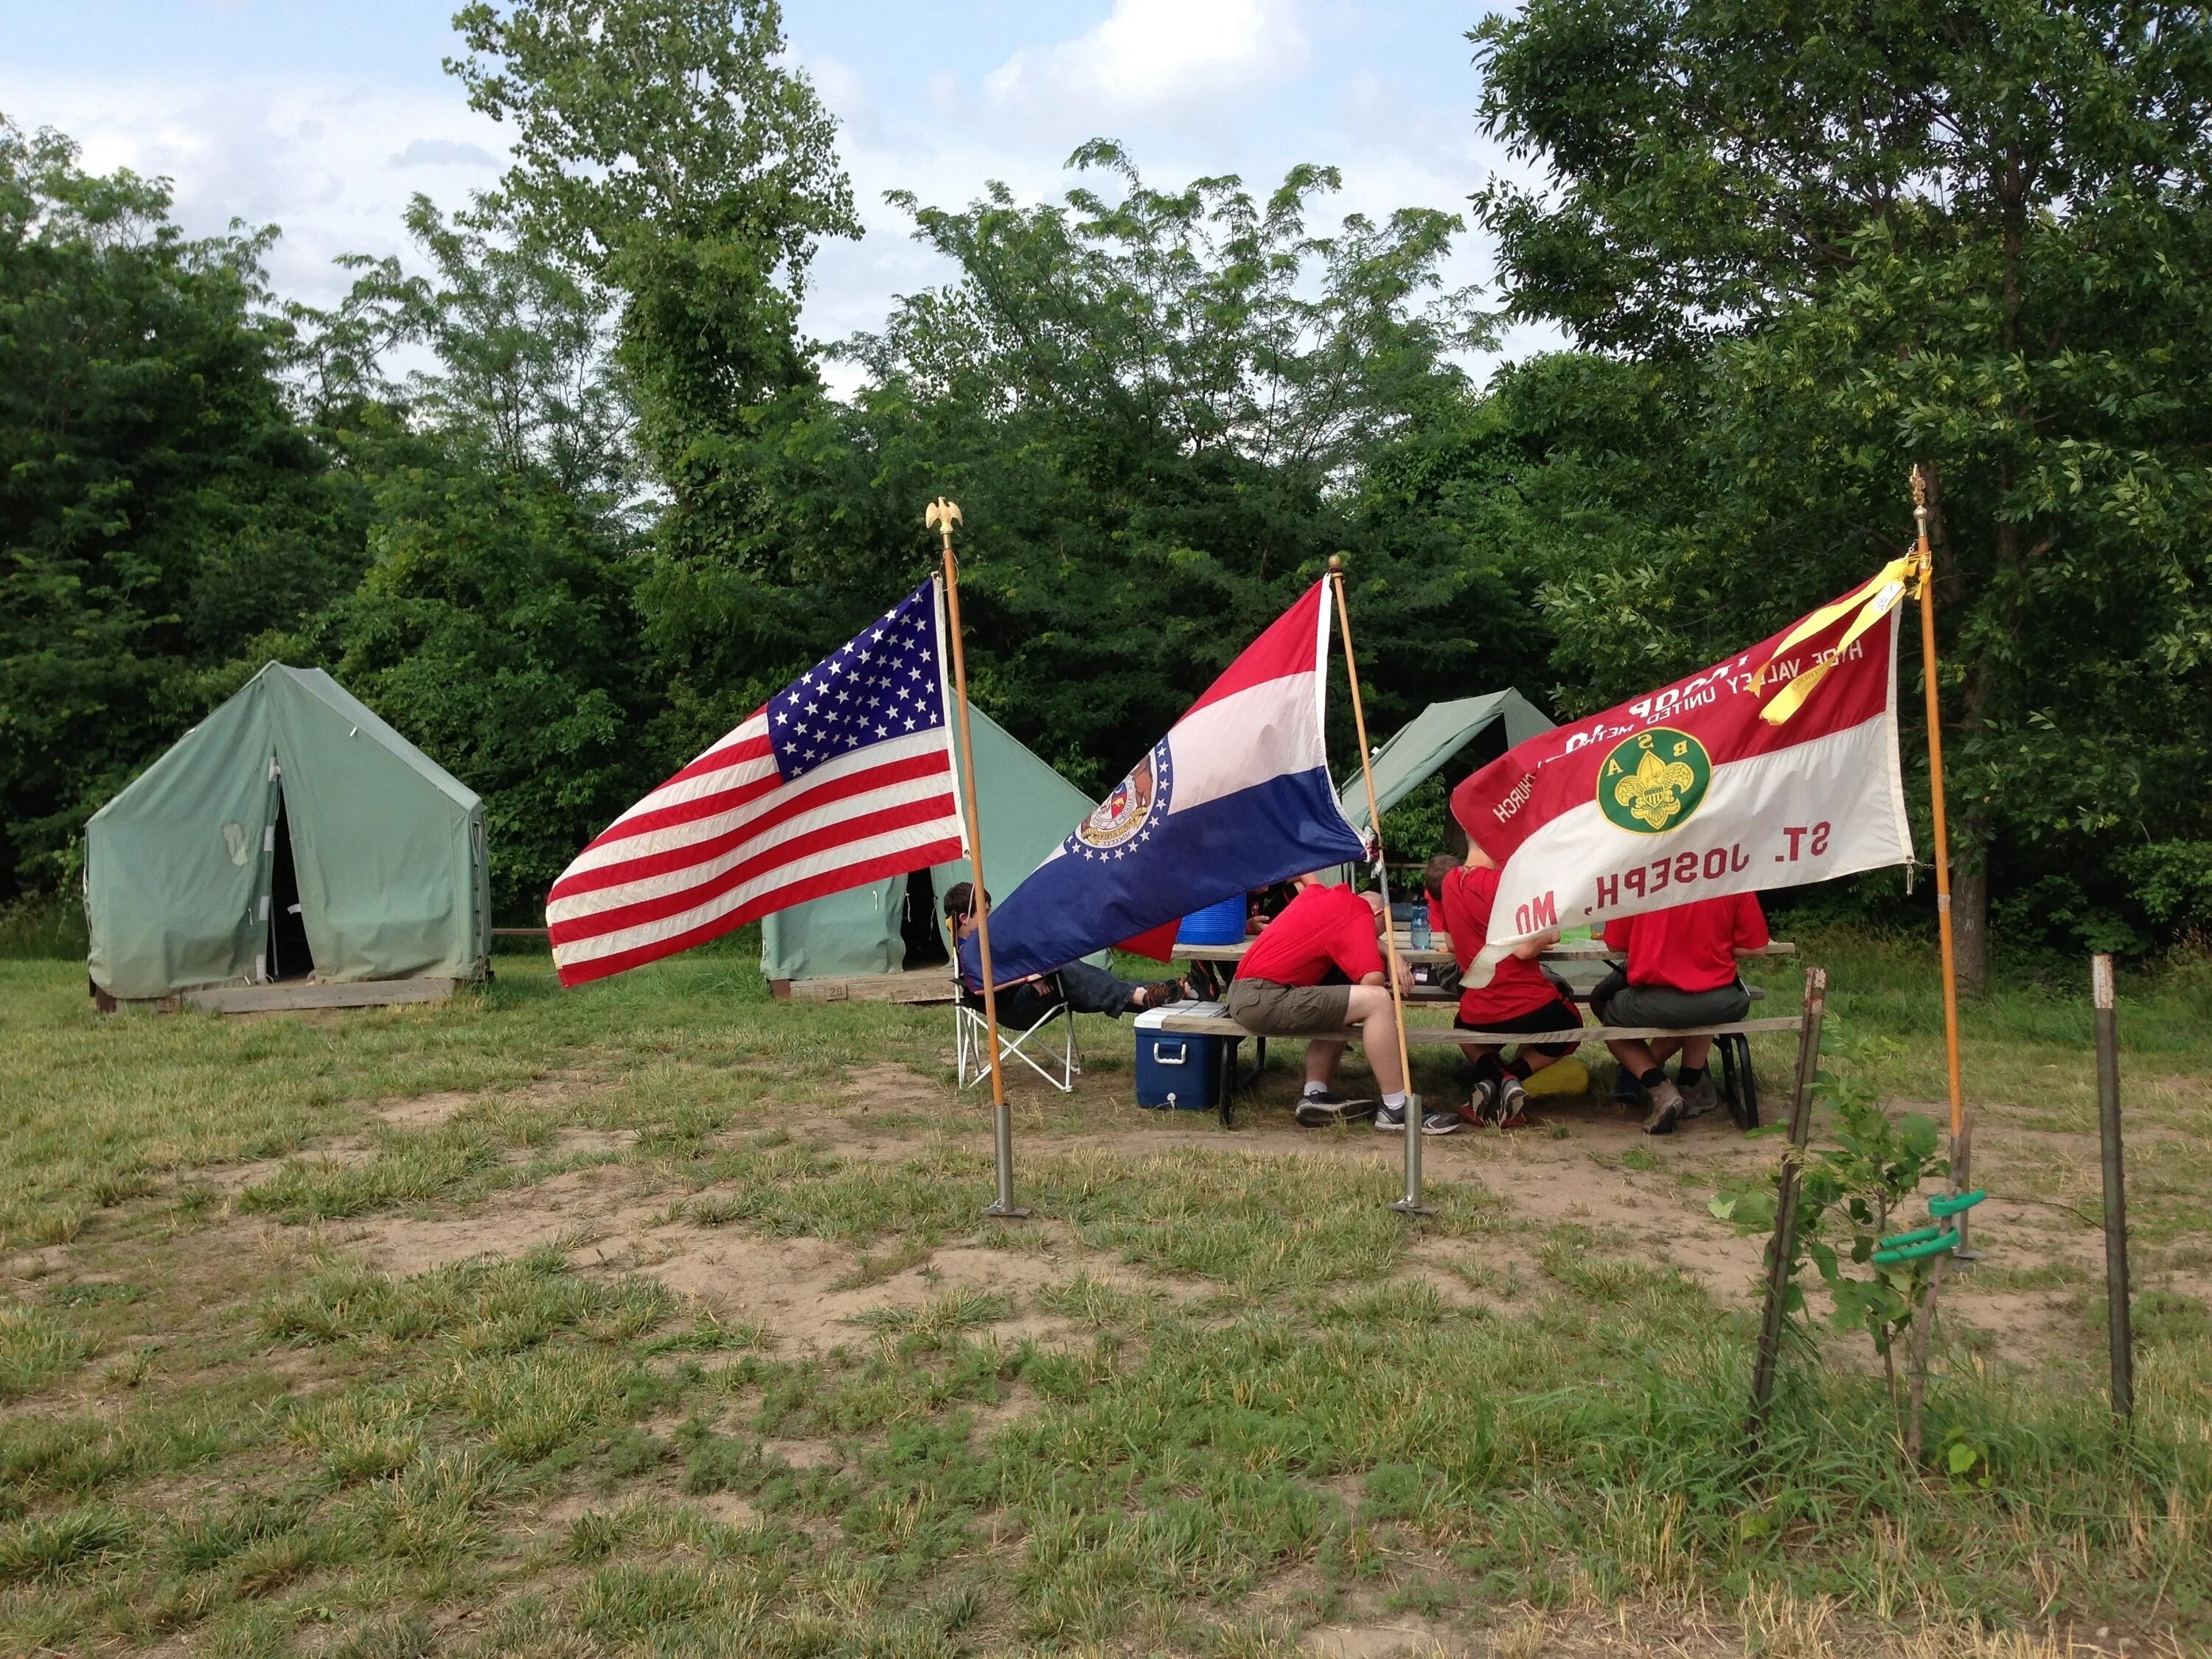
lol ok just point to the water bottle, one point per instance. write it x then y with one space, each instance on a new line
1421 923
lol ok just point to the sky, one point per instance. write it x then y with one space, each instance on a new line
325 118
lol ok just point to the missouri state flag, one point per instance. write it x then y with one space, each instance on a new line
1236 796
1775 767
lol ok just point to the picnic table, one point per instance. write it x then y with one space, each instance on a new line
1439 950
1732 1043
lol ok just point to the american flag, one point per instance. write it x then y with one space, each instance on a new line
843 778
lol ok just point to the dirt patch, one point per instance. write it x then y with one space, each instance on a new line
804 1454
425 1111
572 1142
792 1286
1414 1639
582 1209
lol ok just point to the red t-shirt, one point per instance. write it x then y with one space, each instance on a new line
1691 947
1517 987
1322 928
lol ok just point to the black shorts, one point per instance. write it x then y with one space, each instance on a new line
1559 1016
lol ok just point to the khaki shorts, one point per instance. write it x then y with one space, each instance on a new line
1266 1009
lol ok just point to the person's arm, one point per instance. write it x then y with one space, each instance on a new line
1751 934
1529 950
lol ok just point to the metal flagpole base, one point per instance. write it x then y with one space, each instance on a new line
1412 1206
1006 1212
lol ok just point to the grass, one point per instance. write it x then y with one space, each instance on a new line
1214 1398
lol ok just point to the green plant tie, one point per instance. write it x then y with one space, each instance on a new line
1897 1240
1935 1246
1944 1207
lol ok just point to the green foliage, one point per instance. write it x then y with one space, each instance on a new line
496 624
1161 410
160 504
673 153
1852 1187
1821 244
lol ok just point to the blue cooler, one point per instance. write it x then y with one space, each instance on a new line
1216 924
1179 1071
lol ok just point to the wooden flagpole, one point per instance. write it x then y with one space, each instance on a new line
941 516
1411 1204
1961 1137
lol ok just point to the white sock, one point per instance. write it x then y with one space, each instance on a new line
1397 1103
1314 1089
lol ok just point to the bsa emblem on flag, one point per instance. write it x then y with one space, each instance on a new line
1654 780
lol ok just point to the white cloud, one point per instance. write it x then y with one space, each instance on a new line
332 162
1164 59
443 153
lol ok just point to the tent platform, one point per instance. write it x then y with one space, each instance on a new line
916 984
272 999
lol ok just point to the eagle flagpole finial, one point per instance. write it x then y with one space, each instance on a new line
941 516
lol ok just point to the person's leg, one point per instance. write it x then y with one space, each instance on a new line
1694 1050
1527 1061
1372 1011
1094 991
1635 1057
1665 1049
1322 1054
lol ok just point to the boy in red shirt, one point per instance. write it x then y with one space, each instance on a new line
1519 996
1680 971
1317 968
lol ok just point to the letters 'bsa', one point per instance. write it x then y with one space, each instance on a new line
1773 769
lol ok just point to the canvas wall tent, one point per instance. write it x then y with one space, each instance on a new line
1435 740
1027 810
293 793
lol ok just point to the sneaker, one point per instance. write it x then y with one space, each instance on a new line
1388 1117
1665 1109
1513 1105
1435 1122
1319 1111
1481 1101
1701 1096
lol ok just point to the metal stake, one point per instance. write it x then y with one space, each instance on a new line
2119 1333
941 516
1411 1204
1782 1248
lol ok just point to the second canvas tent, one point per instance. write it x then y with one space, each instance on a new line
890 927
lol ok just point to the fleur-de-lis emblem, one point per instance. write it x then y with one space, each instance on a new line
1653 791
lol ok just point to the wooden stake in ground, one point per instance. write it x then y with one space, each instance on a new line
1924 590
2119 1324
1782 1248
941 517
1411 1204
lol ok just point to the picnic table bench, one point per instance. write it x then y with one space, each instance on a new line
1732 1040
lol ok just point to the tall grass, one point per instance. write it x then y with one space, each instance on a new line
42 929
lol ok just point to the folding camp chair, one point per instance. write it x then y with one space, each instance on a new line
1060 1065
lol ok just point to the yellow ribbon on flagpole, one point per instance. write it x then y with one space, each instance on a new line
1874 598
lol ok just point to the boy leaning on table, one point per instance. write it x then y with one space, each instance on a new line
1317 968
1519 998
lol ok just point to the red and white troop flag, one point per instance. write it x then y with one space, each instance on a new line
843 778
1773 769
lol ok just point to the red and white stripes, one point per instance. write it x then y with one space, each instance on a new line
727 840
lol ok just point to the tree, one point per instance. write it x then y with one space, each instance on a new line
661 146
1820 241
160 503
495 623
1161 410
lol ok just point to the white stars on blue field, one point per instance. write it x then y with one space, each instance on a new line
886 682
